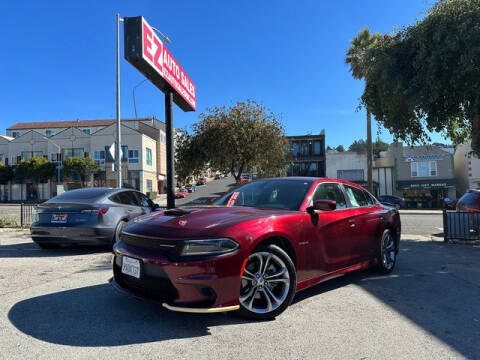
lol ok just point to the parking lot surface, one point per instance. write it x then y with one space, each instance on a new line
57 304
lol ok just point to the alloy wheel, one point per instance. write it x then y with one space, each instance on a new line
388 251
265 283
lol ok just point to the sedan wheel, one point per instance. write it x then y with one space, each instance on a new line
388 253
268 283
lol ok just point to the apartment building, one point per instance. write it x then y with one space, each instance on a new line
308 155
143 152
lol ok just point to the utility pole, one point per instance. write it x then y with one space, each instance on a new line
118 147
369 154
170 151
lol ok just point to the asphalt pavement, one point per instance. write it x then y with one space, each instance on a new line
57 304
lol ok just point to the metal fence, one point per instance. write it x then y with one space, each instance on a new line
26 211
461 225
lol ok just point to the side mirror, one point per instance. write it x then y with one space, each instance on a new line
155 206
322 205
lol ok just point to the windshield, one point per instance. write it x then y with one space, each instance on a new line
270 194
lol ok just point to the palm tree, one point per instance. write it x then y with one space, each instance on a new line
358 60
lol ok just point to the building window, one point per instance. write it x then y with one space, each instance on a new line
15 134
351 175
87 131
56 157
49 133
304 149
295 149
149 156
29 154
124 152
149 186
317 150
99 157
423 168
133 156
75 152
163 138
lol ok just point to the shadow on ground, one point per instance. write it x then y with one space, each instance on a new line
30 249
99 316
435 286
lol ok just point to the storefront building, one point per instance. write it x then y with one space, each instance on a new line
424 175
307 156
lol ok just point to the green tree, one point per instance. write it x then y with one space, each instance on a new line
84 168
35 169
360 147
234 138
190 157
426 77
6 173
359 59
340 148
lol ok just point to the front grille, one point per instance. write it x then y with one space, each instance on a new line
153 288
168 246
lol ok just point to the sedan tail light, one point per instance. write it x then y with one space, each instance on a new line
98 211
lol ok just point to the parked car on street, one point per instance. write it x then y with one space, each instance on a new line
245 179
396 201
256 247
89 216
201 181
218 176
181 193
470 201
190 188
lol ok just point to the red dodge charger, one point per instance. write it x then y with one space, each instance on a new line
256 246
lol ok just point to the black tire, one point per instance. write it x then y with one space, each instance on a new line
387 258
116 237
48 246
272 287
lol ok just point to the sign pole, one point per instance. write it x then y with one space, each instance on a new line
170 151
118 150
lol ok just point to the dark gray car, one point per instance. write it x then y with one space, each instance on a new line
93 216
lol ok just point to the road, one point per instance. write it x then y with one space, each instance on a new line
204 194
57 304
422 224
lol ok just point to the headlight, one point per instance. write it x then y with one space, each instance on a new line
209 247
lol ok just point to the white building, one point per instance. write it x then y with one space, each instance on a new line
143 152
351 166
467 168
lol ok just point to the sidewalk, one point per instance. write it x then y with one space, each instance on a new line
421 211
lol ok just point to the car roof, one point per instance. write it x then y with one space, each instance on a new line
88 193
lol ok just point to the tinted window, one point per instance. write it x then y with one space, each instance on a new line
143 200
370 201
356 196
125 198
330 191
270 194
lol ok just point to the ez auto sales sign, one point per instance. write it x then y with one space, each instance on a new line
145 51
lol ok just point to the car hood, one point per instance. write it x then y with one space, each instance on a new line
196 221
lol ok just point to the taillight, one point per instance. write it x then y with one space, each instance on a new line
95 212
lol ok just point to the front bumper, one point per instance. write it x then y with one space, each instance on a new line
208 285
63 235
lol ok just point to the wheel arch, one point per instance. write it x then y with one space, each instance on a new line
281 242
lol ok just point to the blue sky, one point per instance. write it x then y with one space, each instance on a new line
58 59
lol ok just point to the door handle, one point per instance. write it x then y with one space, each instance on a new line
130 210
351 223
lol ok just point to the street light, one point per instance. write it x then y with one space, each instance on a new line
164 37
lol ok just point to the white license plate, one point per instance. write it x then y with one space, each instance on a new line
59 218
131 266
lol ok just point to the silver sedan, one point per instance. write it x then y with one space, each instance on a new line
91 216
